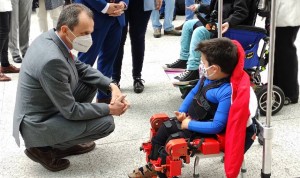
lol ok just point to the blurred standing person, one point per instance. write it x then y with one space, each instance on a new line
136 18
109 21
5 15
286 60
189 15
20 28
167 25
235 12
67 2
53 7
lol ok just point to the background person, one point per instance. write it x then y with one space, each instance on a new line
109 21
237 12
168 18
53 7
189 14
286 59
20 29
5 16
136 20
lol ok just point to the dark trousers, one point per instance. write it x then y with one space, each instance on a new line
95 128
4 31
106 42
286 62
137 19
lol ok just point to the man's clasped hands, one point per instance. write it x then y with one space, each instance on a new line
116 9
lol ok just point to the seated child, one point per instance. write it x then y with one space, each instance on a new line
204 112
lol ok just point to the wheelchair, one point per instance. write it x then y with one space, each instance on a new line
250 38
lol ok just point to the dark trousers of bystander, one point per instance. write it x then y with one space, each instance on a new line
136 21
4 31
286 62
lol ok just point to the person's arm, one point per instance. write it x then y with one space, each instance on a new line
92 76
125 3
97 5
116 9
184 107
220 118
203 8
101 6
240 12
54 78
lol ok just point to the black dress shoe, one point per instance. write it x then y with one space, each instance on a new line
47 159
17 59
138 86
74 150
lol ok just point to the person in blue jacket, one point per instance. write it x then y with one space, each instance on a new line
204 112
109 20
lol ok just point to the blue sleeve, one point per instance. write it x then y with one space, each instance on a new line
188 99
97 5
126 2
223 97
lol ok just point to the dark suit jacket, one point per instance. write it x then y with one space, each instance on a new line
97 6
235 12
46 111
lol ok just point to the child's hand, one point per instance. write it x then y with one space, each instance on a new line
180 115
185 123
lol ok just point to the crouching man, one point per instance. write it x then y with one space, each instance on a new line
53 110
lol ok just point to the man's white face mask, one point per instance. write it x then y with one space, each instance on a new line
81 43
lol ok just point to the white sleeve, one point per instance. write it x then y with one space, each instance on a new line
105 8
252 106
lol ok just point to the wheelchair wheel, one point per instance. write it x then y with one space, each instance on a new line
277 99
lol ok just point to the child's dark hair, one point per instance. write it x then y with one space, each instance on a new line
220 51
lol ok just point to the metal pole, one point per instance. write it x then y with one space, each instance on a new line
268 130
220 18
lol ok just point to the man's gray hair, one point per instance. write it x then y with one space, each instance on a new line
69 15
